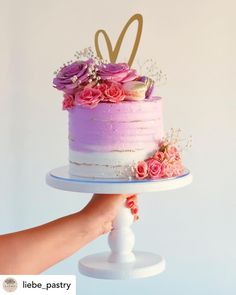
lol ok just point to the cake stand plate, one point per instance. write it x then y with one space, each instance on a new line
145 265
121 262
61 179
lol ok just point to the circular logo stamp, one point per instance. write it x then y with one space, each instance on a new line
9 285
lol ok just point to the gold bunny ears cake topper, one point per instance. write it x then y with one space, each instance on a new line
113 52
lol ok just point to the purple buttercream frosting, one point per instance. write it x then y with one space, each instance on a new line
120 126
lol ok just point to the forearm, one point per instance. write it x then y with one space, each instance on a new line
34 250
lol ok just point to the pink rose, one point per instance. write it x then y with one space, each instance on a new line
141 170
169 157
103 87
171 153
159 156
178 168
119 72
172 150
68 102
114 93
169 170
173 169
88 97
177 156
155 169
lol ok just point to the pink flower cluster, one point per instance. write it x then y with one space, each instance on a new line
106 92
166 162
85 83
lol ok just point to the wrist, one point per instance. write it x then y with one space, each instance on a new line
93 223
102 210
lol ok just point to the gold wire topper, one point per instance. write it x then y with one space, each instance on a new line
113 53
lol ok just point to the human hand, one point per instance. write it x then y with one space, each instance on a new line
35 249
103 209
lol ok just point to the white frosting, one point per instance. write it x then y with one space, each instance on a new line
107 164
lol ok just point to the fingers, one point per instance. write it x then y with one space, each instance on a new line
135 212
131 203
133 198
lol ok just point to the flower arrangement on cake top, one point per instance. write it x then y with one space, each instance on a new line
92 81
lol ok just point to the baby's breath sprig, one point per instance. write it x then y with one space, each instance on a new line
150 69
88 53
84 53
174 137
92 73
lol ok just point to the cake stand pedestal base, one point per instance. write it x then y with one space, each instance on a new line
98 266
121 262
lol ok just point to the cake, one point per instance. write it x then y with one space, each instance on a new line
115 123
114 137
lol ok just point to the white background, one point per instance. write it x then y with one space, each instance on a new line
194 43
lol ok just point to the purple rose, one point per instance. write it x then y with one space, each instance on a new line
72 76
150 85
120 72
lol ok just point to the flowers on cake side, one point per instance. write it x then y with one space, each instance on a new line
166 161
92 81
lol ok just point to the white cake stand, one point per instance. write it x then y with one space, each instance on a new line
121 262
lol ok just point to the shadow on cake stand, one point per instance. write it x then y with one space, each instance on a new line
121 262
